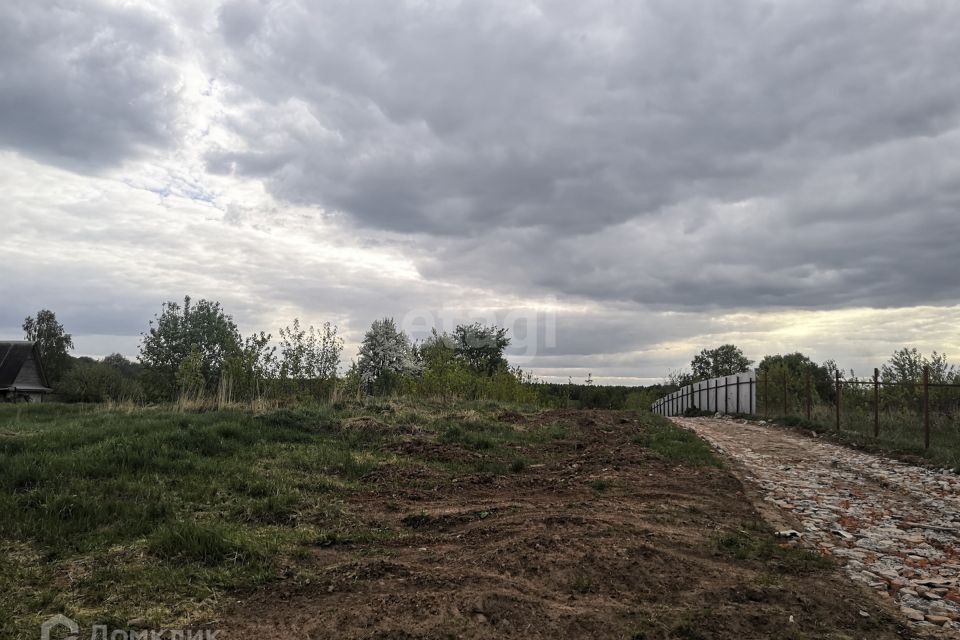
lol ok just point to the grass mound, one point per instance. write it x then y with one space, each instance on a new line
207 543
675 444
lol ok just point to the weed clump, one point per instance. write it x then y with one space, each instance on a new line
756 541
417 520
600 485
206 543
519 465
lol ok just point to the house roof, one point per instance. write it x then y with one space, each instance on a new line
13 355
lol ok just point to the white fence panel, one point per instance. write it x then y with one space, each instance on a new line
729 394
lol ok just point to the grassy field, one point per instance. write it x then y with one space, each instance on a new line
161 519
103 510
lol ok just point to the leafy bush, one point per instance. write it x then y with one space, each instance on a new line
89 381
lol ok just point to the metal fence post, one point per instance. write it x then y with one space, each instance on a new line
766 388
716 396
750 392
839 392
738 394
926 407
785 411
876 403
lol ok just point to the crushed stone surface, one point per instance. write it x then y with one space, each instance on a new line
893 526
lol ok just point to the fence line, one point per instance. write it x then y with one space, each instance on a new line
728 394
786 394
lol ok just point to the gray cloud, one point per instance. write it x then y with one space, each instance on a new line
454 118
605 153
84 85
626 160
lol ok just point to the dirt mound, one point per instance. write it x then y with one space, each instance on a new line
510 417
368 426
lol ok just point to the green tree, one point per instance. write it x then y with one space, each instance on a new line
385 354
189 377
53 342
202 331
310 354
442 374
725 360
126 368
481 347
678 378
92 381
906 365
247 372
796 367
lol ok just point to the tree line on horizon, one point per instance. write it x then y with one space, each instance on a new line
194 351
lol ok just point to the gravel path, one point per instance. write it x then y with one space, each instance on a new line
892 525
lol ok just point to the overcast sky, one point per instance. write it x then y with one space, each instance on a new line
621 183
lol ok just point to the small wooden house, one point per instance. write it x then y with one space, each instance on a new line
21 374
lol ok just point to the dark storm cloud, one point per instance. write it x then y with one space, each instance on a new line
83 84
603 151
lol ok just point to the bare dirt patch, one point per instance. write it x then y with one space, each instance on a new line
595 535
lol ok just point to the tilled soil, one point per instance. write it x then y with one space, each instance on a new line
597 538
894 526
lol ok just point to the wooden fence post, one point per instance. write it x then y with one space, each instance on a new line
926 407
809 395
839 396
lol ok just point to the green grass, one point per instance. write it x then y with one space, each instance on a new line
519 465
154 506
108 515
495 443
583 585
674 444
487 433
210 543
756 541
600 485
901 432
